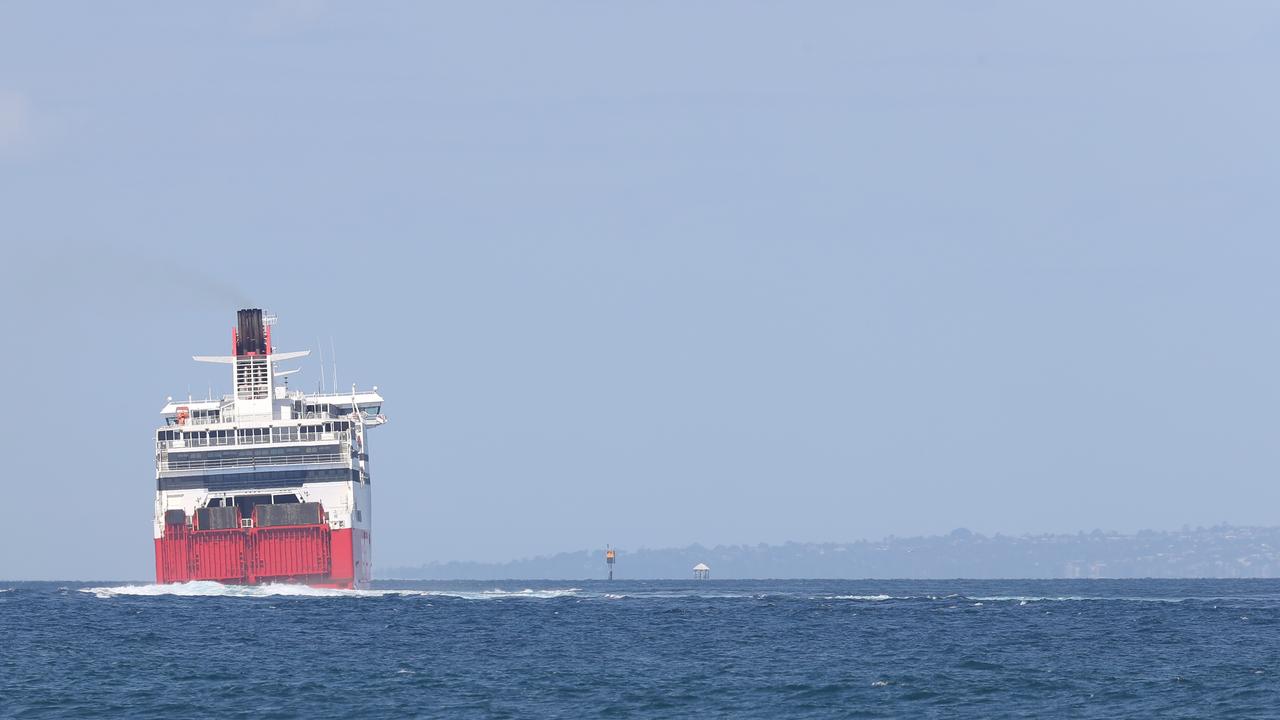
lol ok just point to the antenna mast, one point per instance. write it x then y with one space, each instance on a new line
321 349
333 360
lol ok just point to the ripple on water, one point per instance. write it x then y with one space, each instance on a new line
585 649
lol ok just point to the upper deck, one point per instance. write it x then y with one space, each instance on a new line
262 424
286 405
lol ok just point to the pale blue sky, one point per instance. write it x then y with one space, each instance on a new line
655 273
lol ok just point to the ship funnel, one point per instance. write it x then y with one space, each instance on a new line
252 364
251 339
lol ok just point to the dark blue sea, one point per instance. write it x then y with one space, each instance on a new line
632 649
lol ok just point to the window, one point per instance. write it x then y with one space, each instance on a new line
251 436
284 434
310 433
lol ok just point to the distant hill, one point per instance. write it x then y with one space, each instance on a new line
1223 551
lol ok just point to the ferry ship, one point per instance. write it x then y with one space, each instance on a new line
267 484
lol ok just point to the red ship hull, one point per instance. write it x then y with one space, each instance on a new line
305 554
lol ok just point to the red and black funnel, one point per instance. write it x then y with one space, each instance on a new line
251 337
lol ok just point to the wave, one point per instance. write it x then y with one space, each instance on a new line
1024 599
207 588
495 594
692 595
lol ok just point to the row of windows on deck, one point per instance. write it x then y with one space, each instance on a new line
258 479
263 455
300 410
250 436
312 410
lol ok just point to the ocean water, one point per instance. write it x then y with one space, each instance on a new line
631 649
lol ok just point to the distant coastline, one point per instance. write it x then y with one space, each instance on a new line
1222 551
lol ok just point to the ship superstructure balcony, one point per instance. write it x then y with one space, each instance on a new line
296 444
296 404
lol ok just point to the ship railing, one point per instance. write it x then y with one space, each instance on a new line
196 462
288 436
331 415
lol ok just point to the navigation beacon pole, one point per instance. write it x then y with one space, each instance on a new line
610 556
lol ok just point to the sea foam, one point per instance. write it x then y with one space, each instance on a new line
205 588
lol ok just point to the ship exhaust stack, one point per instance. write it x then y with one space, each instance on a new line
251 337
252 364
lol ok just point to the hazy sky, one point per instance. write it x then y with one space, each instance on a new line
654 273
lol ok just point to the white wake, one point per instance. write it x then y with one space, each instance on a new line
206 588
